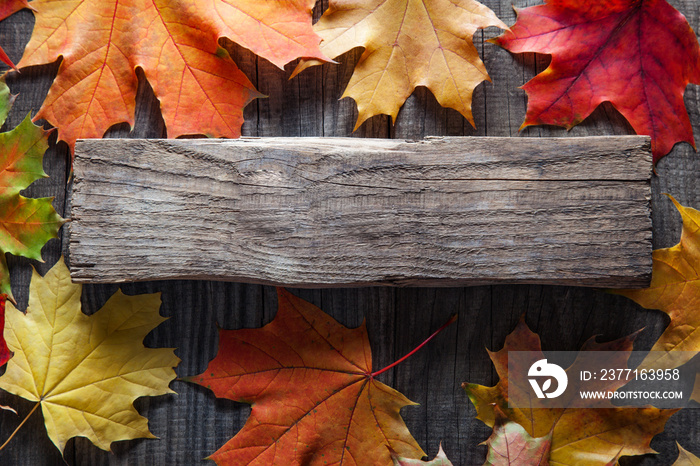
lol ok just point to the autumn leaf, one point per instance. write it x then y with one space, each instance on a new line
439 460
5 353
695 394
675 290
686 458
637 54
201 90
85 371
7 8
408 43
580 436
6 100
315 399
25 224
510 444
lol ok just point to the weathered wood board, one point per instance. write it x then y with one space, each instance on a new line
311 212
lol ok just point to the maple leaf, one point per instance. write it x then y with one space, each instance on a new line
637 54
675 290
510 444
580 436
695 394
7 8
686 458
25 224
315 399
408 43
85 371
439 460
5 353
201 90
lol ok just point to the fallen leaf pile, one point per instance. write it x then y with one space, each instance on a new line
25 224
85 371
407 43
580 436
314 398
637 54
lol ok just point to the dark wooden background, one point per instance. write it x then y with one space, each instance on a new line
193 424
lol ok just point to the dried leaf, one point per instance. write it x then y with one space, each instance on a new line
25 224
580 436
686 458
439 460
675 290
86 371
201 90
637 54
510 444
408 43
314 397
695 394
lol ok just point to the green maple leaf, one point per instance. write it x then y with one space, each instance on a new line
25 224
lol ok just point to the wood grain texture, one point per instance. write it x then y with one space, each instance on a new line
193 424
315 212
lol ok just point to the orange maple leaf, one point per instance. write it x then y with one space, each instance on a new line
407 43
675 290
315 398
579 436
639 55
201 90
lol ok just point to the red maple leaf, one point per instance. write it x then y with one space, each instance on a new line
639 55
5 354
7 8
315 397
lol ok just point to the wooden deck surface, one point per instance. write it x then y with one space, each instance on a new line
193 424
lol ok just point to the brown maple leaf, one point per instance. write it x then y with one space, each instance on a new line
201 90
580 436
408 43
314 396
639 55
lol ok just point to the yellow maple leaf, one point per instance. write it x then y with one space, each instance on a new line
408 43
675 290
85 371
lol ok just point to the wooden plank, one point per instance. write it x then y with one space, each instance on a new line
315 212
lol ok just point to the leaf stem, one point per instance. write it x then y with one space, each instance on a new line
444 326
20 425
